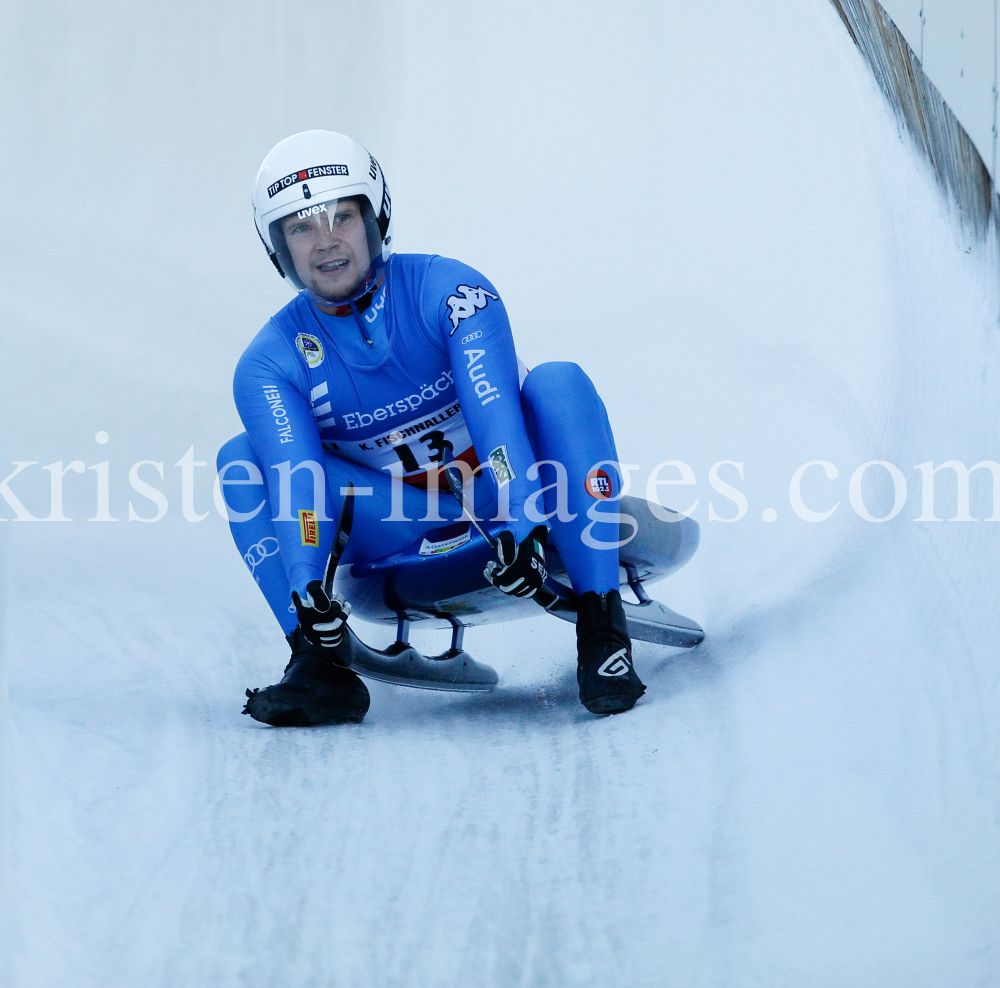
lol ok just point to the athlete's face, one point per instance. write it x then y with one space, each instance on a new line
329 248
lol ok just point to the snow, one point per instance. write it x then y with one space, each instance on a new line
708 207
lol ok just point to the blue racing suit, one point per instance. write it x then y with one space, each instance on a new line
382 391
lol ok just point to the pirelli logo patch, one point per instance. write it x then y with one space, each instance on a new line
309 528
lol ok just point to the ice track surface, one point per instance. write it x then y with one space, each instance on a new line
808 800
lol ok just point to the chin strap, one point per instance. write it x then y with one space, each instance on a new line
357 317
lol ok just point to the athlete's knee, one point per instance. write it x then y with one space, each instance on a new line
238 448
556 378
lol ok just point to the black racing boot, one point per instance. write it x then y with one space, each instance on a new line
313 691
608 682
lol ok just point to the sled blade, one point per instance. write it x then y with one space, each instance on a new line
455 671
653 622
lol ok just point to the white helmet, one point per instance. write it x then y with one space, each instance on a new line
306 176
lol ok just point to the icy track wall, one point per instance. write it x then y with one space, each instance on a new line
958 42
930 122
710 208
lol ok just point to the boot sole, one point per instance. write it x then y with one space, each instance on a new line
284 708
614 704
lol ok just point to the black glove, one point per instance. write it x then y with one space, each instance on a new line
321 619
521 570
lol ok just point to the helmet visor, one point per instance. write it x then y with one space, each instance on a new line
332 248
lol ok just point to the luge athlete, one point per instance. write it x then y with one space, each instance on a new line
381 367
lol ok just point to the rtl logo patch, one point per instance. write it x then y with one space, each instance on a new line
599 485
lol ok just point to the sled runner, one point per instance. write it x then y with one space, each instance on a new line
438 582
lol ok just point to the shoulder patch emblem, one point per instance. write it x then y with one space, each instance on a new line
310 348
467 302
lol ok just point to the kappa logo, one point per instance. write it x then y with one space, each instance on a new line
615 665
310 348
467 302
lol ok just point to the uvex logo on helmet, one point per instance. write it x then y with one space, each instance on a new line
320 171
